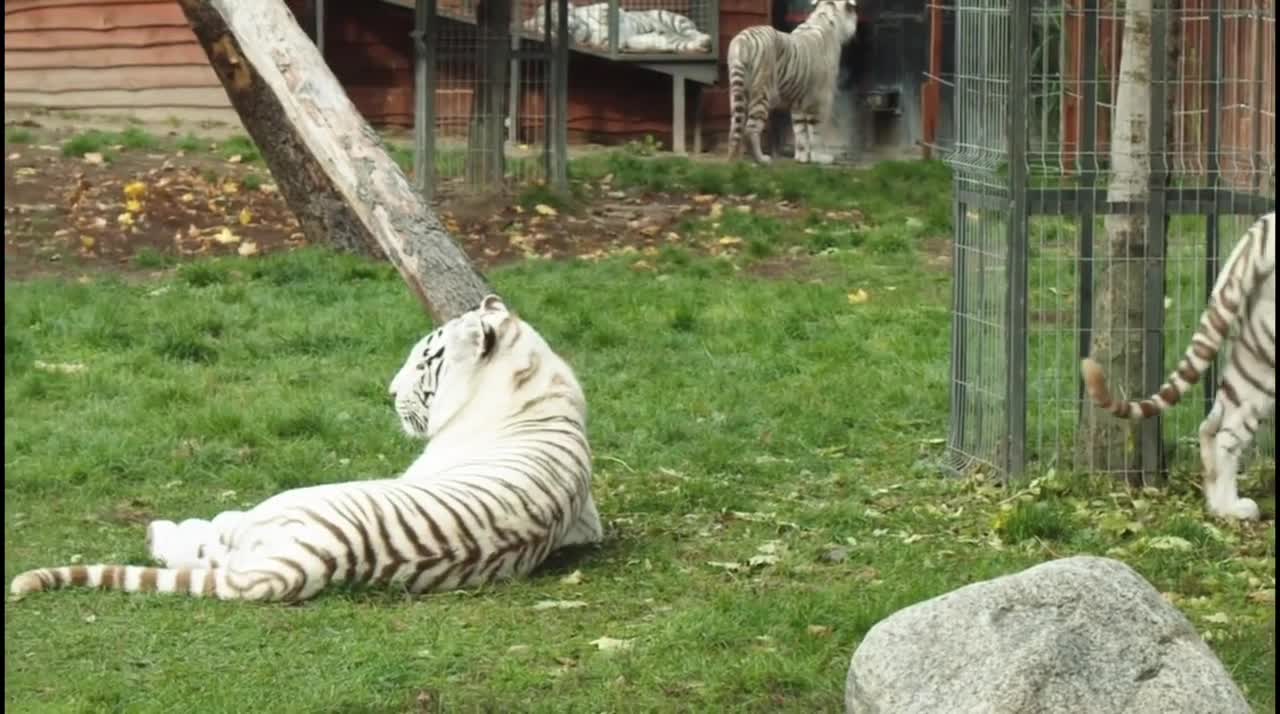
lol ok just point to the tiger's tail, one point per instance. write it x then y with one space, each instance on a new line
1235 283
738 77
197 582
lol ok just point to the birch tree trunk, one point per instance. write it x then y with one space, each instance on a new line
1104 441
332 168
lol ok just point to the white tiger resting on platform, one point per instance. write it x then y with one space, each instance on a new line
504 480
796 72
649 31
1244 292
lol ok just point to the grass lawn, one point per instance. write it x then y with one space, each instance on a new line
765 441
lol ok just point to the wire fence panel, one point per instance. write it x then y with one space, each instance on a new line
1049 266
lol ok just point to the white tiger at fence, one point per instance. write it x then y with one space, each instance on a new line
1244 295
504 480
648 31
797 72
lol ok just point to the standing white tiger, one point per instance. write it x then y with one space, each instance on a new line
1245 291
504 480
769 69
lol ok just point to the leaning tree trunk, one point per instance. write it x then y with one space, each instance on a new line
485 138
1104 441
330 165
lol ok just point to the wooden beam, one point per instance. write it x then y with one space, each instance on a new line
330 165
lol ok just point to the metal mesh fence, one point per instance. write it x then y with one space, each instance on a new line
490 97
1043 272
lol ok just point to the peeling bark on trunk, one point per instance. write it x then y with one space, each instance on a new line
1104 441
331 167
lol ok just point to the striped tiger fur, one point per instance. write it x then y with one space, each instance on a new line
504 479
769 69
648 31
1245 292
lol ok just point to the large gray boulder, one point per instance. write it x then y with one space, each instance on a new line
1079 635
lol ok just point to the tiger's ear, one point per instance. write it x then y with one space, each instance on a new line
492 303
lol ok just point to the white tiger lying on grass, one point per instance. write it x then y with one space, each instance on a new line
770 69
649 31
504 480
1245 291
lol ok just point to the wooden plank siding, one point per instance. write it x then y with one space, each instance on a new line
135 57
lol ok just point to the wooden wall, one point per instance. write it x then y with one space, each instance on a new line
133 57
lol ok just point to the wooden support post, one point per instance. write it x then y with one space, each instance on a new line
677 114
424 97
697 118
330 165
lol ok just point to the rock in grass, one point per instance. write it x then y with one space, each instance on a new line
1083 635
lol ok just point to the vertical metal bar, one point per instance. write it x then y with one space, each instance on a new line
1214 165
424 96
548 97
959 326
513 86
697 118
1153 265
1088 163
614 21
711 10
559 134
1016 332
1259 64
320 22
677 114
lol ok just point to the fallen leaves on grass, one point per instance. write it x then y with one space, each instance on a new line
573 578
859 297
59 367
558 604
609 644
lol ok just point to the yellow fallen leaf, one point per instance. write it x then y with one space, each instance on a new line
730 240
609 644
59 367
87 242
235 159
246 216
93 157
818 630
859 296
133 205
544 209
135 190
230 187
248 248
226 237
573 578
717 210
187 197
125 219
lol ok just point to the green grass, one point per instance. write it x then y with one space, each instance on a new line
102 142
18 135
728 412
241 146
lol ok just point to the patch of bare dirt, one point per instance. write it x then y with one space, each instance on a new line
136 212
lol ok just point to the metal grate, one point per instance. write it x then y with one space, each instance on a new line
1038 281
487 98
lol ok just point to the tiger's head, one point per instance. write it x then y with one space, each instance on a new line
841 14
475 364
